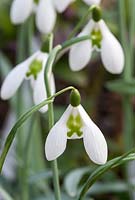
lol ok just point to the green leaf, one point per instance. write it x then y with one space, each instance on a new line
5 65
38 176
63 197
18 124
102 169
4 195
122 86
72 180
109 187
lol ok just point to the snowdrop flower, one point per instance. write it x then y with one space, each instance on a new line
92 2
76 124
45 10
102 40
32 69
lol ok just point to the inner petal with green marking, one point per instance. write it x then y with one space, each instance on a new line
74 125
34 68
96 38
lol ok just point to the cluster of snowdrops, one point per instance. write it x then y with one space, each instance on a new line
75 122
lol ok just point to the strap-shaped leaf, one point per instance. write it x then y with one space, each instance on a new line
102 169
4 194
72 180
122 87
13 131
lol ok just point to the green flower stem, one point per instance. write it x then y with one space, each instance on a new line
67 44
54 163
48 72
21 55
132 32
24 37
51 42
25 185
128 72
128 123
81 23
30 33
124 39
74 40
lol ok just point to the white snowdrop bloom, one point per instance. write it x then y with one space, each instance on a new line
76 124
32 69
92 2
102 40
45 10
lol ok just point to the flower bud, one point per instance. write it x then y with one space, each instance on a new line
75 98
96 13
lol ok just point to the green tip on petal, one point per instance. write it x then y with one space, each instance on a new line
96 13
96 38
74 125
34 69
75 98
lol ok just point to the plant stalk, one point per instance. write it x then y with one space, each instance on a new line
128 45
48 73
24 37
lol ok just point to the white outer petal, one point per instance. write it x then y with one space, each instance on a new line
66 114
46 16
15 78
20 10
80 54
95 144
38 85
91 2
61 5
57 138
111 51
56 141
84 116
39 93
94 141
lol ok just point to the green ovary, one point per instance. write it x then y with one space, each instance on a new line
96 38
36 1
74 125
34 69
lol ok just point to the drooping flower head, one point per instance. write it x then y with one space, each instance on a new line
76 124
45 10
102 40
32 69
